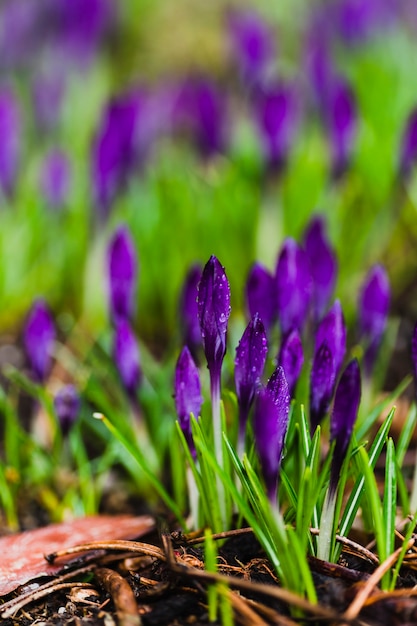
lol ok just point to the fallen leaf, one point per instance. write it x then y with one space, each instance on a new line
22 554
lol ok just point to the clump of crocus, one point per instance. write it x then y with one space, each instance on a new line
67 404
291 359
408 150
55 178
38 339
293 287
345 411
374 303
270 424
127 357
323 264
190 325
10 144
260 295
249 365
187 394
122 274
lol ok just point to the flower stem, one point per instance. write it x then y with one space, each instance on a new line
324 541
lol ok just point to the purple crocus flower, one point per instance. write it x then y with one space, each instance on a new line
276 117
408 152
322 381
187 394
414 354
126 356
291 359
19 33
344 414
293 287
272 404
260 295
323 264
356 20
190 324
340 117
122 274
332 330
47 98
67 404
38 339
10 143
249 365
55 178
252 46
374 303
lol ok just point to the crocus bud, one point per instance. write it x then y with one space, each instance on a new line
249 365
122 274
291 359
67 406
345 411
276 116
47 99
293 287
322 262
341 121
213 306
252 46
272 404
260 295
38 339
126 356
322 381
373 313
332 331
190 324
408 151
187 394
10 143
55 178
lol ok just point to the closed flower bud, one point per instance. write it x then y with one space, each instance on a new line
187 394
190 325
374 303
38 339
10 142
260 295
55 178
408 151
322 381
341 121
67 404
122 274
291 359
126 357
332 330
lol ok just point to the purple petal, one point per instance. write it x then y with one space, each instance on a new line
47 98
345 411
10 143
374 304
67 404
291 359
272 406
38 339
122 274
322 381
323 264
294 287
341 121
187 393
260 295
126 356
249 365
332 331
189 321
414 353
55 178
408 151
213 305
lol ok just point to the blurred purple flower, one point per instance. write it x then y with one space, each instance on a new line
340 117
293 287
38 339
332 330
189 321
322 381
374 301
10 142
291 359
47 98
357 20
260 295
213 306
276 116
19 32
249 365
272 404
55 178
323 264
126 356
408 152
252 46
345 411
414 355
319 65
122 274
67 404
187 394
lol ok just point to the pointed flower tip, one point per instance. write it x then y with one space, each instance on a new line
213 306
293 286
127 357
122 274
187 393
38 338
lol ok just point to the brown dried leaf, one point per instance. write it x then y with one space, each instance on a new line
22 554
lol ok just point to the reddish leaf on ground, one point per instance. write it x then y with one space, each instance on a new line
22 554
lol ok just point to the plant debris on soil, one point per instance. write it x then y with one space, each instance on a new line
163 581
